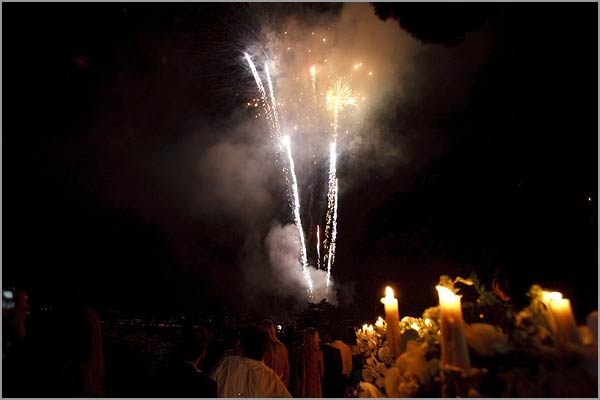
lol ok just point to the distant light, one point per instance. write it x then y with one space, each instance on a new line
279 327
370 73
589 199
324 40
356 66
313 33
285 33
289 48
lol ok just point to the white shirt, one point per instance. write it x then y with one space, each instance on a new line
346 356
238 376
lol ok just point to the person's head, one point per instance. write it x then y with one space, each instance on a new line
270 328
254 340
325 336
194 344
311 338
336 333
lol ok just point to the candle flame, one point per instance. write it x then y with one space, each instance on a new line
389 293
446 295
379 322
551 296
313 70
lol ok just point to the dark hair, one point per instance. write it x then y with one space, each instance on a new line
254 340
324 335
194 342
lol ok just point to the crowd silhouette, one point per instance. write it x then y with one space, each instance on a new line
247 360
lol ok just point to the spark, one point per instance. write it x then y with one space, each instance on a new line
333 234
330 203
318 247
273 101
313 79
287 143
338 97
261 89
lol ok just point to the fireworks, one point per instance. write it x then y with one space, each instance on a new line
318 247
288 146
299 110
338 97
313 80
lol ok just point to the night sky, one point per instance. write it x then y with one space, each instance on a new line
107 108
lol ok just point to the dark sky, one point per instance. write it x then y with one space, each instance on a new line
100 102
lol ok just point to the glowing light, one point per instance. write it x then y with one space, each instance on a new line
318 247
313 80
389 294
447 296
414 326
338 97
273 101
324 40
370 73
380 322
296 199
261 89
551 296
331 205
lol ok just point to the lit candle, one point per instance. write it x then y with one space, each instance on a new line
454 342
392 321
379 325
562 318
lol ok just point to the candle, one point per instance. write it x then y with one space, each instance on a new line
379 325
392 321
562 318
454 342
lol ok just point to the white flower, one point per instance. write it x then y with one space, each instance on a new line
370 391
413 361
432 313
486 340
399 384
385 355
367 374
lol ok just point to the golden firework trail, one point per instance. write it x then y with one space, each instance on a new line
338 97
313 80
288 146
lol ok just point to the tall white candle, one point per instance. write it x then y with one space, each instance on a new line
454 342
563 320
392 321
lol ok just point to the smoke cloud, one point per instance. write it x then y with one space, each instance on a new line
241 174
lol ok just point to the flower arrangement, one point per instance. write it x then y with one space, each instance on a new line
513 353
